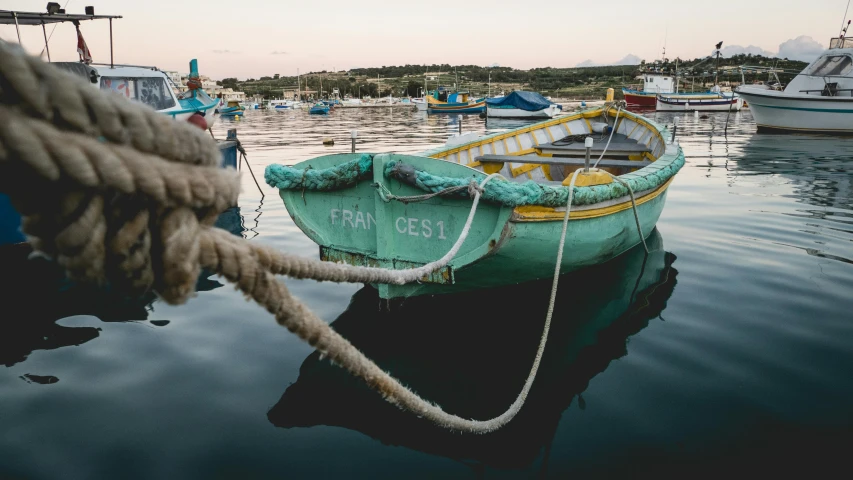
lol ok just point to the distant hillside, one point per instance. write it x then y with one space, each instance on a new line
579 82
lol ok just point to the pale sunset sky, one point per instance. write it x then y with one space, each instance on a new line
252 38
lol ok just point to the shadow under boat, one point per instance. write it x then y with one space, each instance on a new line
471 353
37 294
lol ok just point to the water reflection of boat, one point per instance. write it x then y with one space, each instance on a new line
470 353
818 166
41 286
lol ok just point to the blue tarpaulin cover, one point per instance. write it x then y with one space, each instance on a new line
529 101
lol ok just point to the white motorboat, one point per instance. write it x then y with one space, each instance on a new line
818 100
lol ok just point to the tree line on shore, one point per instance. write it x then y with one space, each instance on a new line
409 80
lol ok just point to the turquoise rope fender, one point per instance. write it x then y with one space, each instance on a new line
333 178
531 193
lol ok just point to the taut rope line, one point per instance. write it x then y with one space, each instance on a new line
128 197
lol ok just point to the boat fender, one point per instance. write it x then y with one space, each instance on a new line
328 141
600 127
198 120
404 173
591 178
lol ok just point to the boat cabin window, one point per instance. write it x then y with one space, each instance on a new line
152 91
833 65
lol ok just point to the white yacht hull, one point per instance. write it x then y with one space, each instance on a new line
774 110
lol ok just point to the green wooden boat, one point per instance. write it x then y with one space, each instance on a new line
346 202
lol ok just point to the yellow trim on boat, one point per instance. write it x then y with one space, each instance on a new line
534 213
557 121
527 167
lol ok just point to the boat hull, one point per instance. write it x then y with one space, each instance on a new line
549 112
505 245
478 107
774 111
697 104
639 99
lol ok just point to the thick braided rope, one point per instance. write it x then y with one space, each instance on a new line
114 209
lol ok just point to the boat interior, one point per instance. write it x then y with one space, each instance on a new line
549 152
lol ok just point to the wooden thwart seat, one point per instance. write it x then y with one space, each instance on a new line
620 145
605 162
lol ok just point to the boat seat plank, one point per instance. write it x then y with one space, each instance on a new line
605 162
619 145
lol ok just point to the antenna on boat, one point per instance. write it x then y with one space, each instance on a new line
843 27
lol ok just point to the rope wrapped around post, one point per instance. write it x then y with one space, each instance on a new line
119 194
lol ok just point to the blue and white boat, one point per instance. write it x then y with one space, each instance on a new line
319 109
232 108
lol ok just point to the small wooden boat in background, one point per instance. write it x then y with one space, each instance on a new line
319 108
698 103
514 237
458 102
232 108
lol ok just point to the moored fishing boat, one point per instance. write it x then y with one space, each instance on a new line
443 102
145 84
521 104
319 108
405 211
232 108
818 100
699 103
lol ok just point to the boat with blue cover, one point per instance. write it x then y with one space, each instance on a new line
520 104
406 211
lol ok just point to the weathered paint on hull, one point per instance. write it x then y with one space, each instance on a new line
528 251
355 226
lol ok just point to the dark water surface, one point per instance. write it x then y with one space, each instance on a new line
727 351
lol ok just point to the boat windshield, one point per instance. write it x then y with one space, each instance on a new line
152 91
832 65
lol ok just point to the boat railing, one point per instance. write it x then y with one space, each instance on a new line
147 67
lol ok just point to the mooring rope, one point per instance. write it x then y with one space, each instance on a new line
120 194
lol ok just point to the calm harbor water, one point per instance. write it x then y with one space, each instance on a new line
728 350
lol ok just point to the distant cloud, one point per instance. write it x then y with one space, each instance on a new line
803 48
279 52
223 52
626 60
733 50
